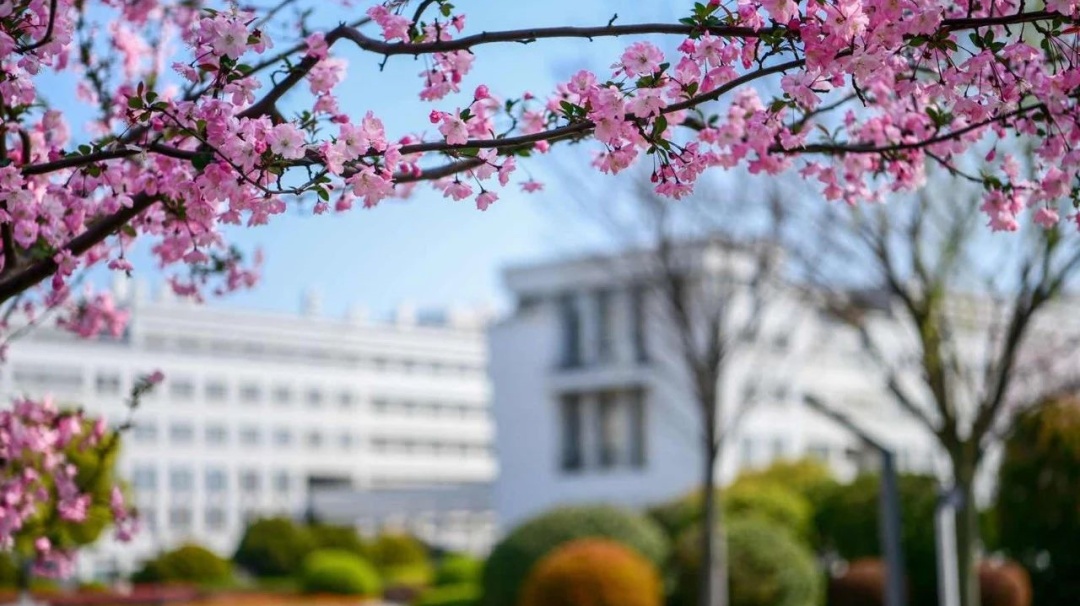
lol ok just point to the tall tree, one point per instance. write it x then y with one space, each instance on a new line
960 325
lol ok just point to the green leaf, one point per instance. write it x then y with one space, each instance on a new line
135 102
202 159
325 195
446 8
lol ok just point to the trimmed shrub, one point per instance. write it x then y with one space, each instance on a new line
1004 584
458 568
512 559
766 566
1038 504
338 572
751 496
186 564
345 538
273 547
462 594
391 550
806 477
592 572
861 584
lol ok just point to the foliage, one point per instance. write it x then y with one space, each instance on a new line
457 569
345 538
512 558
461 594
185 564
338 572
847 522
1038 504
273 547
767 566
862 583
807 477
592 572
1004 584
393 550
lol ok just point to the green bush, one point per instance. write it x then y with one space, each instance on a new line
512 558
766 566
1038 504
462 594
345 538
457 569
593 572
847 522
186 564
411 575
338 572
9 576
391 550
273 547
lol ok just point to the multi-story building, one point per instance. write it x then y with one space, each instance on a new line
260 410
591 403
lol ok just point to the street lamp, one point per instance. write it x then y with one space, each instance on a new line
889 504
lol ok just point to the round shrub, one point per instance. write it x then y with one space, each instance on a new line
512 558
592 572
1004 584
396 551
462 594
458 568
273 547
185 564
753 495
338 572
861 584
345 538
766 566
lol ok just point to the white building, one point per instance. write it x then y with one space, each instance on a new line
589 405
259 409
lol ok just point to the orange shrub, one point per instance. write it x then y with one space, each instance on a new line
592 572
1004 584
861 584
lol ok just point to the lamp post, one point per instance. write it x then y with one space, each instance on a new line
889 504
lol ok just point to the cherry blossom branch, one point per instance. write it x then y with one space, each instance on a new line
47 37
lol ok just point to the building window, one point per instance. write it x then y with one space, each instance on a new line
314 440
282 437
572 435
181 480
180 519
346 441
637 323
182 389
215 518
216 435
145 431
144 479
605 324
107 384
570 318
779 448
314 398
216 480
819 450
249 436
282 395
181 433
637 428
249 482
608 430
747 452
250 394
216 391
282 482
346 400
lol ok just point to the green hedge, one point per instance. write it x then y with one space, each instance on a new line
273 547
773 502
457 569
345 538
394 550
767 566
186 564
512 558
338 572
462 594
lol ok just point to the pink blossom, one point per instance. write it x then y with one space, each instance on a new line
1047 217
640 59
286 141
486 199
531 186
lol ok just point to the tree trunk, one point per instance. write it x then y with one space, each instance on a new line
967 531
712 590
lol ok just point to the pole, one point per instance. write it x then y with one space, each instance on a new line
945 529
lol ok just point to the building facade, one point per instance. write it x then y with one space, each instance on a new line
591 404
260 411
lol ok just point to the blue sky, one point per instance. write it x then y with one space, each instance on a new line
427 250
